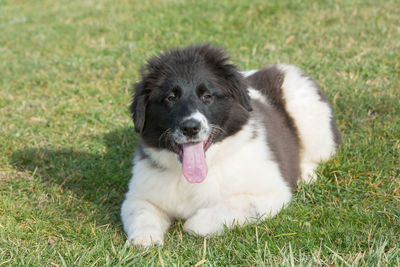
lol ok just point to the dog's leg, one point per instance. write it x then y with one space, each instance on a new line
144 223
237 211
308 174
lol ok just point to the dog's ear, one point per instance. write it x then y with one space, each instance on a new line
138 106
242 94
227 73
244 99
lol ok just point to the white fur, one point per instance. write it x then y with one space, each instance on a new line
254 94
243 183
312 118
247 73
233 192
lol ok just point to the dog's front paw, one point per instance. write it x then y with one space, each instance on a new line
146 240
204 224
308 174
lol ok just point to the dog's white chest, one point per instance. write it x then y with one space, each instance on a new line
234 169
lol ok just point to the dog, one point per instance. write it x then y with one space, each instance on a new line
219 147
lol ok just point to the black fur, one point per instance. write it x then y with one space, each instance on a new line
176 83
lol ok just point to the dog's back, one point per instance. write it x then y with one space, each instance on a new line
306 113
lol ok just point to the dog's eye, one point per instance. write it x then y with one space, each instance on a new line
174 95
206 97
171 98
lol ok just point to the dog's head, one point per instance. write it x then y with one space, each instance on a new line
187 100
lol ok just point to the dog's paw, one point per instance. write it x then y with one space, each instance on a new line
203 224
308 174
146 240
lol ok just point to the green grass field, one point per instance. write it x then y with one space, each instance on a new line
66 138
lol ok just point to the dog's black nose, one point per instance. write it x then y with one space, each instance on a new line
190 127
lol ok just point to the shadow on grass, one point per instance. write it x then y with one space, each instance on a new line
100 178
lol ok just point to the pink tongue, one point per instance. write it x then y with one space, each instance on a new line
194 166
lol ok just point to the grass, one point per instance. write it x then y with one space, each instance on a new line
66 138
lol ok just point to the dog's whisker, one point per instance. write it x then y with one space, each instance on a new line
214 126
215 129
163 135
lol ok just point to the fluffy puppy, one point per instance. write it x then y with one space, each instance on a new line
219 146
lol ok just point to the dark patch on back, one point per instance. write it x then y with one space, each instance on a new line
282 141
269 82
282 134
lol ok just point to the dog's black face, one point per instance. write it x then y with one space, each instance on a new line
189 96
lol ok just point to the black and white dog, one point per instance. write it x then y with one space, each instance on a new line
219 146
